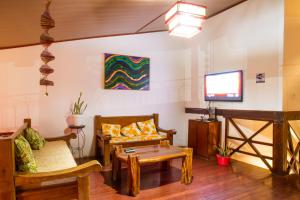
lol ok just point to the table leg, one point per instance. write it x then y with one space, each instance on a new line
116 165
186 170
133 174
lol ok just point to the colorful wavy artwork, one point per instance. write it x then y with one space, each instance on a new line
126 72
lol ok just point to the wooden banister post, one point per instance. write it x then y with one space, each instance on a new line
280 132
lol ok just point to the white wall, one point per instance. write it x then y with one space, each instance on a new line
248 37
79 66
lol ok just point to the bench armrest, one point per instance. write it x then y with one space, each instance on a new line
103 137
66 138
78 171
171 131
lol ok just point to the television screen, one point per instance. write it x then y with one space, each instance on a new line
225 86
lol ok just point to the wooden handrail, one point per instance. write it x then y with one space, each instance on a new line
250 114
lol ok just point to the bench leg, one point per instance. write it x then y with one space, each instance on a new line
186 170
106 153
84 188
165 165
133 175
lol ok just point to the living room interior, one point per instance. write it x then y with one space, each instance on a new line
257 128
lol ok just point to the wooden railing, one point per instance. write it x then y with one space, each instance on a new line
285 144
293 151
248 140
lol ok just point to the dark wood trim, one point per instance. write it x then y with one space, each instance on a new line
81 38
202 111
6 134
259 115
280 132
227 8
291 115
150 22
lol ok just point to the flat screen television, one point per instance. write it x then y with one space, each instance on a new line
225 86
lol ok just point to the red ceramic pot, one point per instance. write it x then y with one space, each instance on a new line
223 161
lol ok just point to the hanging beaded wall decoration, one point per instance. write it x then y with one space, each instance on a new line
46 40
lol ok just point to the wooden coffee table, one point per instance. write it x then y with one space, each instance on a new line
147 155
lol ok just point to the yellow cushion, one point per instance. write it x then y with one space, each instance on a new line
131 130
114 130
147 127
123 139
54 156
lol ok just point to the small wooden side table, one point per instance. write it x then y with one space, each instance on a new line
80 136
204 136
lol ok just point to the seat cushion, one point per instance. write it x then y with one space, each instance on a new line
123 139
24 155
54 156
114 130
147 127
35 140
131 130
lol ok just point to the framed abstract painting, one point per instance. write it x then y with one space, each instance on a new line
124 72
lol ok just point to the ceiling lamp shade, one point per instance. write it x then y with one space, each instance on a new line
185 19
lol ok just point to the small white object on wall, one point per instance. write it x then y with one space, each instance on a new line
260 78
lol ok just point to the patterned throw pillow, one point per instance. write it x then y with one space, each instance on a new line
24 156
35 140
131 130
147 127
114 130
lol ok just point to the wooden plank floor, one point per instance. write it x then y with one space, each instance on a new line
211 182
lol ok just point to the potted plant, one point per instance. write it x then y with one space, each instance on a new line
77 109
223 155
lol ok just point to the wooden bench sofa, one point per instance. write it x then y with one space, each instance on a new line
104 143
58 175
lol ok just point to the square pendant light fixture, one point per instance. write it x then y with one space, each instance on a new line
185 19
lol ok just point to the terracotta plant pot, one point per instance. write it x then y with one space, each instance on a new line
75 120
223 161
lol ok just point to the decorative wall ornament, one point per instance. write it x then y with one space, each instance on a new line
46 40
126 72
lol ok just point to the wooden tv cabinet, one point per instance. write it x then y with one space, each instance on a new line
203 136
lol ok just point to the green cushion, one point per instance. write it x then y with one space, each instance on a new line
24 156
35 140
